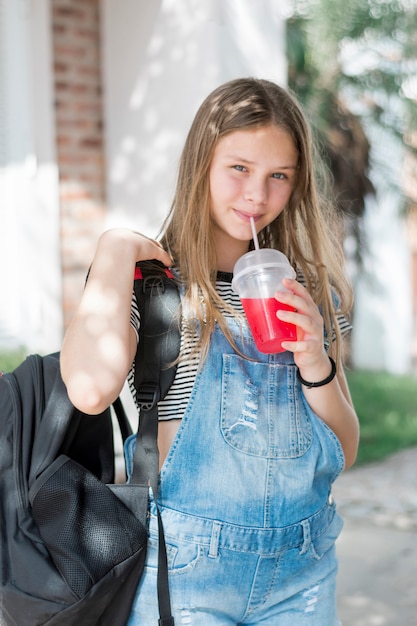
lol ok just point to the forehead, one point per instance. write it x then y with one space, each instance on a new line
260 142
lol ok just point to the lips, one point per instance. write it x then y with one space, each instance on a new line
246 216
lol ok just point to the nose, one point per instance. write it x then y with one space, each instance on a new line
256 191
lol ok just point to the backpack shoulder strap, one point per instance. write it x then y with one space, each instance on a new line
158 300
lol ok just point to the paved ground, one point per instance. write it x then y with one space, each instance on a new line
378 546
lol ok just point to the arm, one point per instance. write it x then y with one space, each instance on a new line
331 402
100 343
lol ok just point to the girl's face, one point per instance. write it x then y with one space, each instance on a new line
251 175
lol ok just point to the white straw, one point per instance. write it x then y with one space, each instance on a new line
254 234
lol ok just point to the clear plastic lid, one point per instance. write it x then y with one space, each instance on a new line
257 260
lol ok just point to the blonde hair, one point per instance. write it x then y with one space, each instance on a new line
306 231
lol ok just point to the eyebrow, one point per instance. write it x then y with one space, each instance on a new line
234 157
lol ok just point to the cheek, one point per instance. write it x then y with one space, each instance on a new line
223 186
280 198
277 204
215 187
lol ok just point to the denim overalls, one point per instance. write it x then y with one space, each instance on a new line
245 498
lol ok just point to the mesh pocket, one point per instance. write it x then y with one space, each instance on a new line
85 527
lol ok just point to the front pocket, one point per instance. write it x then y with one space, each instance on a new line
262 413
182 556
325 542
85 527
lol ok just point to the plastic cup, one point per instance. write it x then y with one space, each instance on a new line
257 276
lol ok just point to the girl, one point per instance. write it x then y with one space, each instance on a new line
250 443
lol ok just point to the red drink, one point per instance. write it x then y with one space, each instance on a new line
268 331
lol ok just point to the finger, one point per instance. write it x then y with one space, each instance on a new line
297 297
295 287
162 253
309 323
163 256
291 317
156 250
309 331
295 346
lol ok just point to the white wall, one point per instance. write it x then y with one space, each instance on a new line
160 60
383 311
30 294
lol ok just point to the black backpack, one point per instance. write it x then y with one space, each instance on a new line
72 544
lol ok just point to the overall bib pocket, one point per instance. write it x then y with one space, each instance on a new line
268 419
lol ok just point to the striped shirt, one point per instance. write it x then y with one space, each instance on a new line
175 402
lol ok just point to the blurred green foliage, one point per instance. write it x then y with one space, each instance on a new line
387 408
10 359
353 64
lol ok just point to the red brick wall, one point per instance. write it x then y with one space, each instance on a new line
79 138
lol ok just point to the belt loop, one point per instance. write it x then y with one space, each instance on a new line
214 542
306 535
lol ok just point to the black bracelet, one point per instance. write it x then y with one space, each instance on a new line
321 382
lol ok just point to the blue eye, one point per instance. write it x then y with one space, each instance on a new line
279 176
239 168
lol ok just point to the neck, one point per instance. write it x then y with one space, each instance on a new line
227 257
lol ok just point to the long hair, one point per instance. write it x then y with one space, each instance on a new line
306 231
